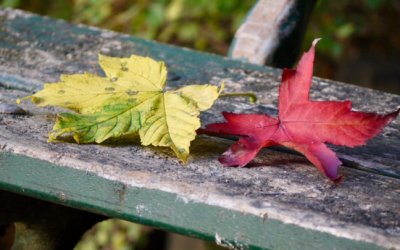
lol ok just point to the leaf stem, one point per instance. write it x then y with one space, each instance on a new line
252 97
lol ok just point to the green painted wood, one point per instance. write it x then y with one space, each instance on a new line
158 208
285 189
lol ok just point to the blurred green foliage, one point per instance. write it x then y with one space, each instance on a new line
112 234
199 24
341 23
210 25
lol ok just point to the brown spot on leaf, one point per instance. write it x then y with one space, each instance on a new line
109 89
123 67
131 92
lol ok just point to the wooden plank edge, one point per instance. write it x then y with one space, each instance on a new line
106 193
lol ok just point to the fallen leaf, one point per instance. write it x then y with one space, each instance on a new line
129 99
302 124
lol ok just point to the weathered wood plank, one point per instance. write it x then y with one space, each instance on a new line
117 177
35 45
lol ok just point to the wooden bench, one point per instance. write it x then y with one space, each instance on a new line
52 189
272 33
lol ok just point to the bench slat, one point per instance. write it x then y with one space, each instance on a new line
140 184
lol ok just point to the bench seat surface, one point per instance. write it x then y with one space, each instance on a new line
280 202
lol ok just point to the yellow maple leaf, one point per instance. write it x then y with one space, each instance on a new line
129 99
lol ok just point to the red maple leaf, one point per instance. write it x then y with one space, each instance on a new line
302 124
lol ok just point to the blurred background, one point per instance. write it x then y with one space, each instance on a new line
361 38
361 45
